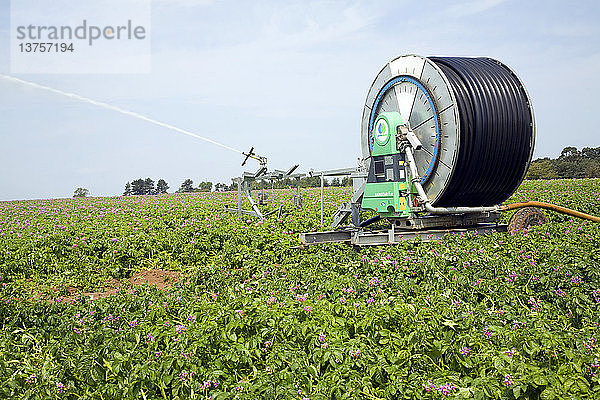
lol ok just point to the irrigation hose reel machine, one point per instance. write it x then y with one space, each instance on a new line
445 141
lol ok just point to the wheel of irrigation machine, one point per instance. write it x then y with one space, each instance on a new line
526 217
473 117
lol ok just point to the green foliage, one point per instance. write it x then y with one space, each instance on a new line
186 187
205 186
140 187
572 163
541 169
81 192
162 186
498 316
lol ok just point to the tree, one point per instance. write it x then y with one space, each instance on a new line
149 186
205 186
186 187
571 163
81 192
128 189
220 187
569 151
541 169
162 187
591 153
138 187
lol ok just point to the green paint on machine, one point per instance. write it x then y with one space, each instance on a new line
386 197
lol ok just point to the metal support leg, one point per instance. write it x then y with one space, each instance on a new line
253 204
239 196
322 195
298 197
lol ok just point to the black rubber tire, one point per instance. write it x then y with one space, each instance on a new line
526 217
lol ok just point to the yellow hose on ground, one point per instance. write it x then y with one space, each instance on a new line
552 207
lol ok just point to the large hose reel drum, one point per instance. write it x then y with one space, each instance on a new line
473 117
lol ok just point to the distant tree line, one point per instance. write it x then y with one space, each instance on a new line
145 186
571 163
305 182
188 187
148 187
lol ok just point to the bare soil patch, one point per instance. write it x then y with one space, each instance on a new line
153 277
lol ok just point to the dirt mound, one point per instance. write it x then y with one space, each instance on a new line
154 277
162 279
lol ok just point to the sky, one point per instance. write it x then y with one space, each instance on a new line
287 77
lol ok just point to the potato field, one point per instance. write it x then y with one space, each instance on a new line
246 315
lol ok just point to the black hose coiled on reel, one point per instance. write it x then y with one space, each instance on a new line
496 131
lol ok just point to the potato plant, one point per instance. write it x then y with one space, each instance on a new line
467 317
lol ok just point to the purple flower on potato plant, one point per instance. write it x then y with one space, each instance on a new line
465 351
508 381
597 295
512 277
355 353
180 328
590 343
324 345
158 354
308 309
370 300
60 387
110 319
149 338
207 384
429 386
322 337
575 280
511 353
516 325
343 300
184 375
133 323
191 318
594 367
266 345
445 390
487 332
560 292
536 305
31 379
